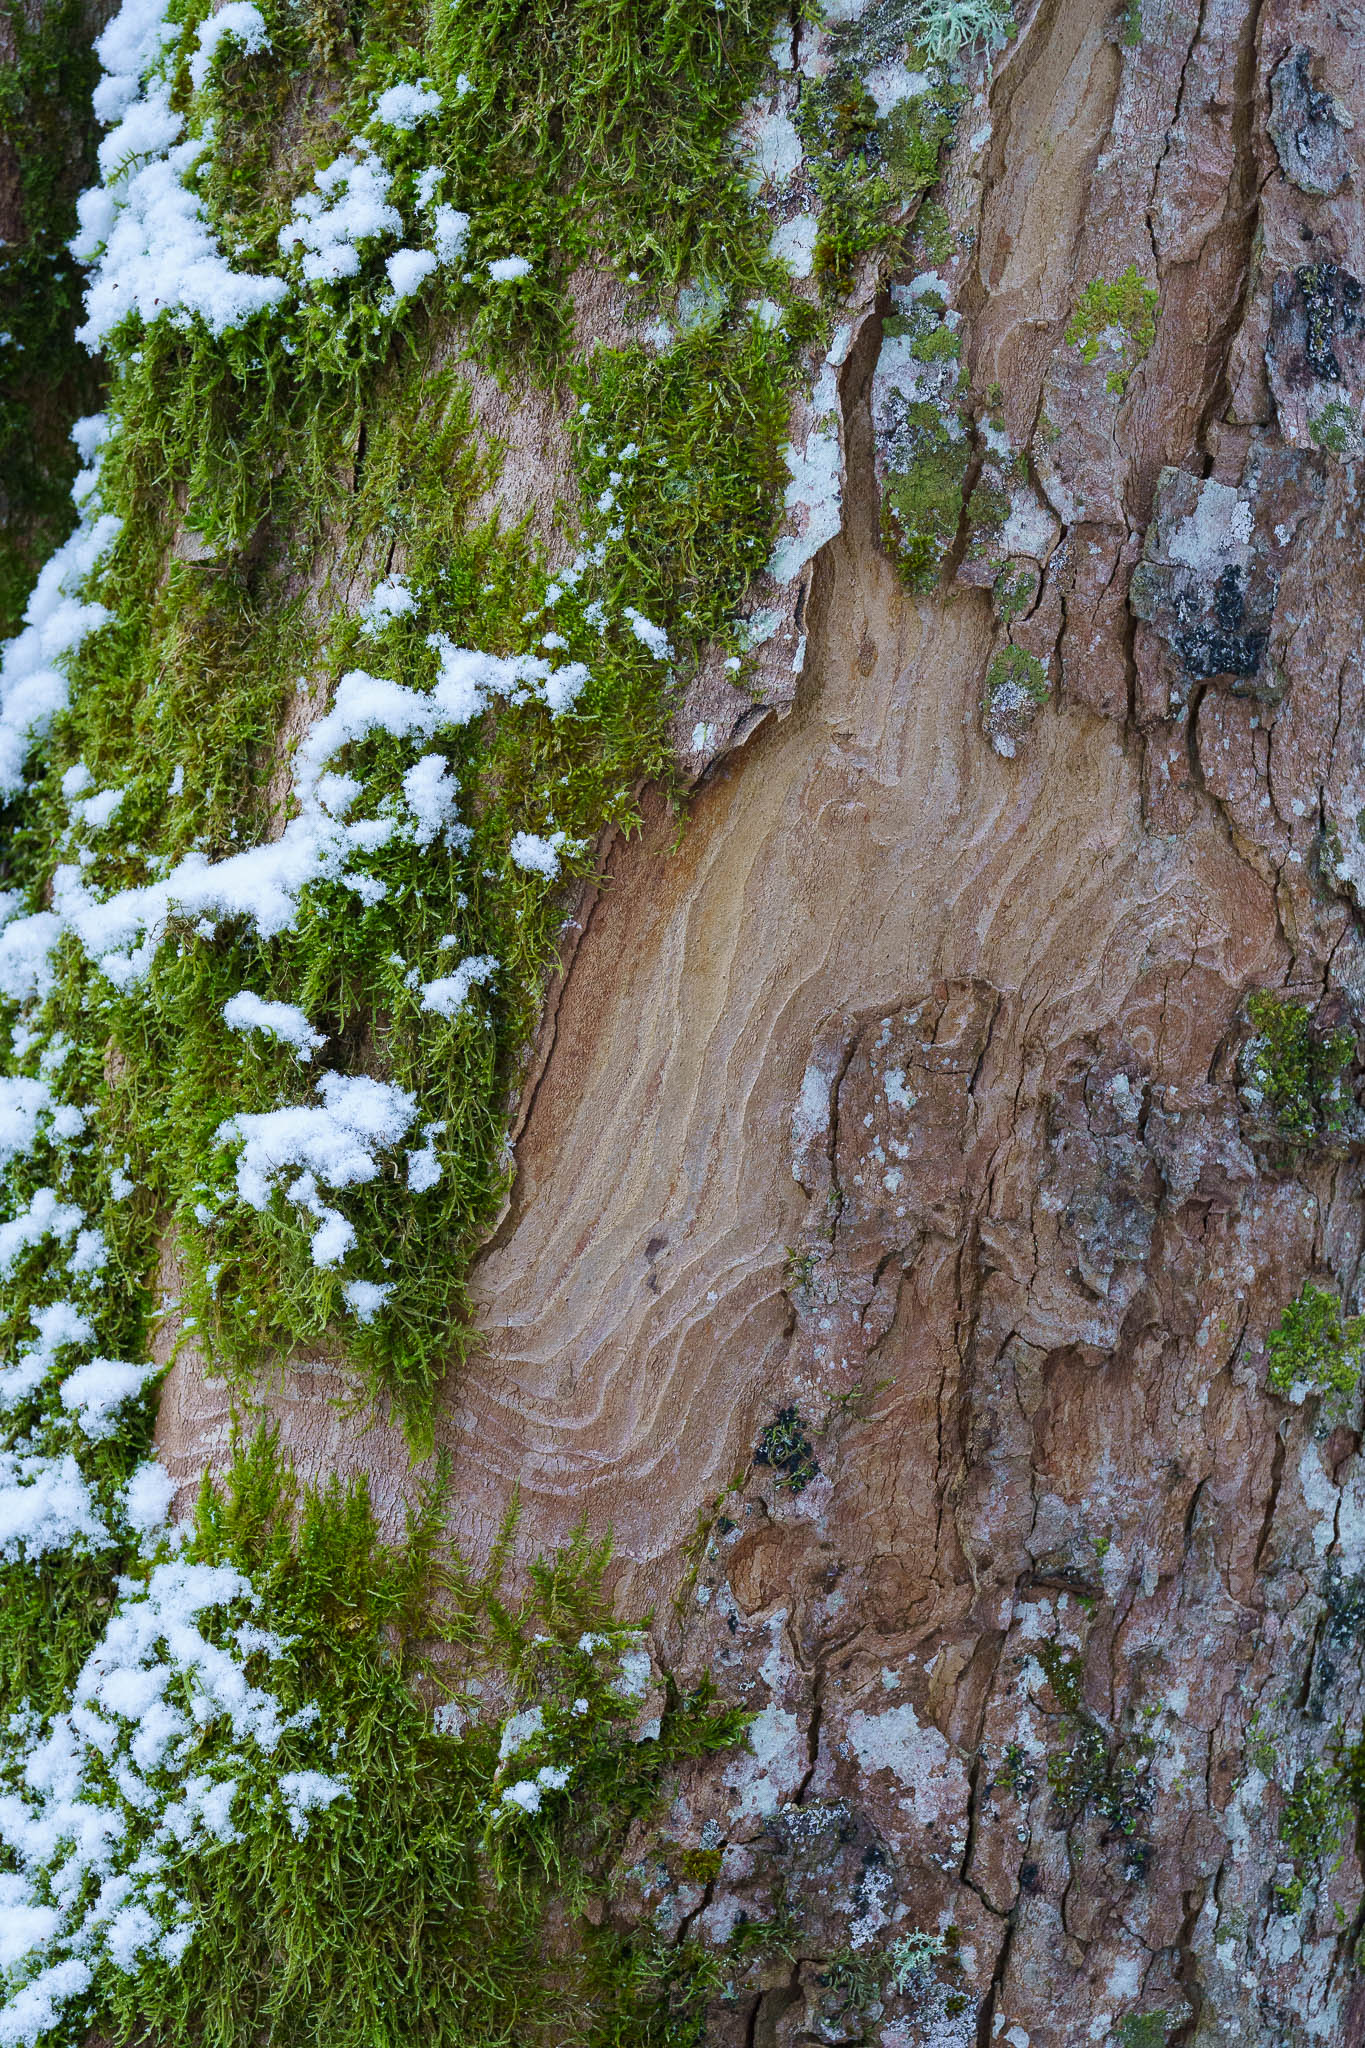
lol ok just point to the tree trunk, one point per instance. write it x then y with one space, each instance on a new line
912 1170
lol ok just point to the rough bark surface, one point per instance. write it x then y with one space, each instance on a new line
903 1090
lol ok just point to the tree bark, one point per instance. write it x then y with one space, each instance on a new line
897 1120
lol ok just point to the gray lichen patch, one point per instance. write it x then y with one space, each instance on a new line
1309 126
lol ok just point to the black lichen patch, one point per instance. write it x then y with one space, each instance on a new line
1332 306
1226 646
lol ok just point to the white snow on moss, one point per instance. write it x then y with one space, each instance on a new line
448 994
239 22
285 1021
403 106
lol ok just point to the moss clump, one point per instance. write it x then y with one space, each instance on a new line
1312 1823
1144 2030
1016 689
987 510
785 1446
1119 315
414 1908
1131 37
1294 1074
1014 670
922 493
1315 1346
935 231
869 170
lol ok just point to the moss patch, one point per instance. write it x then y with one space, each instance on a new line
922 494
1294 1075
1315 1346
1117 315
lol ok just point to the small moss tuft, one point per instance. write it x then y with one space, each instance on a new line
785 1446
1119 315
922 495
1294 1073
1314 1346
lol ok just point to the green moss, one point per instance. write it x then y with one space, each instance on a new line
937 344
414 1909
1013 592
922 493
1064 1672
1132 28
1294 1074
1315 1345
1312 1823
987 510
1124 308
868 171
934 229
785 1446
1335 428
46 379
1144 2030
1013 673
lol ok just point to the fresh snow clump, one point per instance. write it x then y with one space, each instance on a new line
238 22
285 1021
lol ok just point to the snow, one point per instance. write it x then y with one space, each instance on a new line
96 1391
536 855
406 269
431 791
525 1794
285 1021
649 635
449 233
350 207
239 22
98 811
333 1143
97 1869
131 43
365 1298
518 1730
22 1102
26 946
147 1497
389 600
403 106
505 269
146 236
309 1792
424 1169
447 996
45 1505
59 1325
33 683
44 1217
